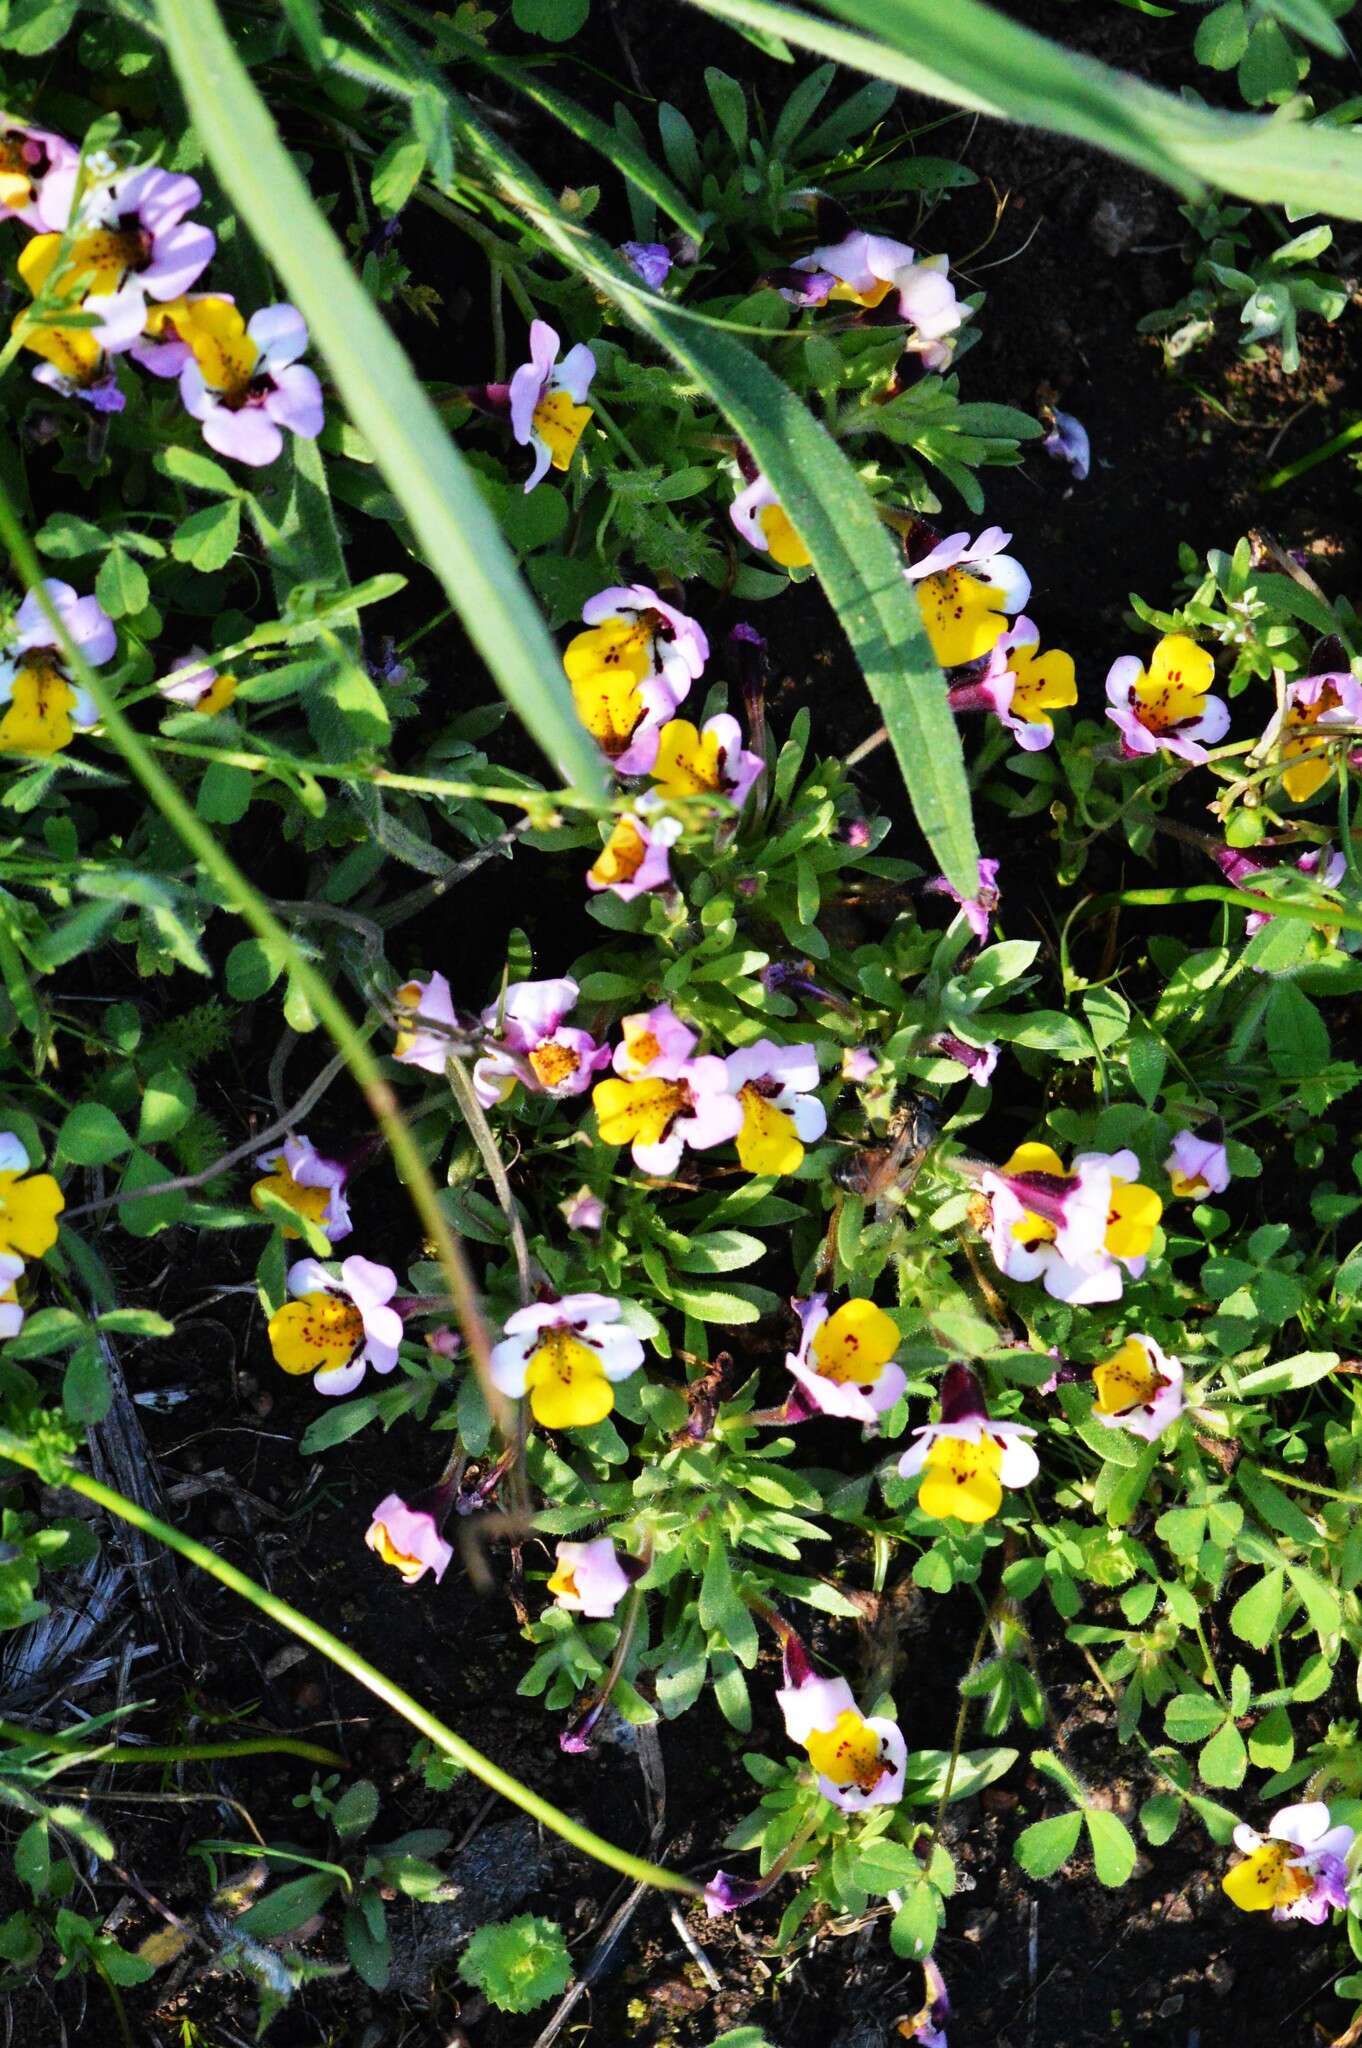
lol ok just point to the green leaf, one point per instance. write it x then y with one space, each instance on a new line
1288 1373
1224 1759
32 27
396 174
1046 1845
207 539
913 1929
517 1964
91 1135
1255 1614
86 1394
357 1809
369 1949
412 449
33 1859
1191 1716
1113 1846
556 20
288 1906
1222 36
121 585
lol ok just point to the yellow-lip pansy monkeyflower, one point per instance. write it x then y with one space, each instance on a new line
1297 1871
968 1457
965 590
566 1355
1165 708
781 1114
631 669
762 520
42 710
1318 712
30 1204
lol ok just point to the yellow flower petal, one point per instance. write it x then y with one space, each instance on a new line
560 424
309 1202
216 333
1128 1380
1266 1878
37 718
960 1478
1033 1158
1132 1219
29 1207
855 1344
782 542
554 1065
687 760
219 694
767 1142
378 1540
563 1582
621 645
638 1112
316 1330
964 617
848 1753
566 1384
623 854
1188 1187
1170 691
1043 683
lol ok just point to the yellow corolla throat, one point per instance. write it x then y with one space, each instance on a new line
408 997
1131 1220
641 1045
566 1383
1042 683
563 1584
1128 1380
309 1202
849 1753
782 542
16 173
965 619
318 1332
219 694
98 261
1170 692
72 350
560 423
623 854
855 1345
960 1478
1032 1158
767 1141
875 295
688 762
638 1112
29 1207
1266 1878
1188 1187
37 718
379 1540
215 333
1311 765
554 1065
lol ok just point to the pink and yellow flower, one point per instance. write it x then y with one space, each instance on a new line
650 1036
337 1325
43 709
589 1579
709 762
1318 712
566 1356
409 1539
965 590
195 686
968 1457
531 1045
28 158
1165 707
845 1362
979 907
858 1760
242 380
1076 1228
1021 687
1197 1167
631 669
314 1187
780 1112
30 1204
1297 1871
547 399
675 1104
636 858
764 523
1139 1389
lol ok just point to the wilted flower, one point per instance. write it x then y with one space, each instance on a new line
637 855
676 1103
336 1326
978 908
964 590
583 1211
1067 441
1299 1869
844 1363
1197 1167
30 1204
780 1112
650 1036
44 709
630 670
928 2026
409 1537
1021 687
196 686
546 397
242 381
708 762
1075 1228
589 1579
859 1064
859 1761
532 1045
298 1176
565 1355
978 1061
968 1457
1139 1390
429 1029
762 520
652 261
1165 707
1316 711
27 157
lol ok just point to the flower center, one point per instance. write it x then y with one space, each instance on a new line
560 423
965 618
317 1332
566 1382
622 855
554 1064
1127 1381
849 1753
960 1478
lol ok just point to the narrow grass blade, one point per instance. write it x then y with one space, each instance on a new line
427 475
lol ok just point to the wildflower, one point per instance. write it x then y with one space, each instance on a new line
928 2026
162 348
1313 706
968 1457
1298 1869
1165 707
27 158
630 670
859 1760
589 1579
762 520
708 762
1139 1390
335 1327
859 1064
1075 1228
651 261
565 1355
637 855
844 1363
583 1211
780 1113
297 1175
429 1029
978 1061
1325 864
964 590
1067 441
532 1045
1021 687
649 1036
11 1313
409 1537
131 242
1197 1167
243 382
546 399
979 908
867 270
30 1203
43 708
197 687
677 1103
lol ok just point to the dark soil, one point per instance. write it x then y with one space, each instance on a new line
1081 249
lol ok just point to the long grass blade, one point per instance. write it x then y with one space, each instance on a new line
426 473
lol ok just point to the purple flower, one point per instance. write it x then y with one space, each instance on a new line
28 157
845 1363
651 1036
589 1579
859 1064
867 270
979 908
130 237
532 1044
583 1211
409 1539
84 618
426 1004
245 385
1067 441
1197 1167
928 2027
546 398
651 260
978 1061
